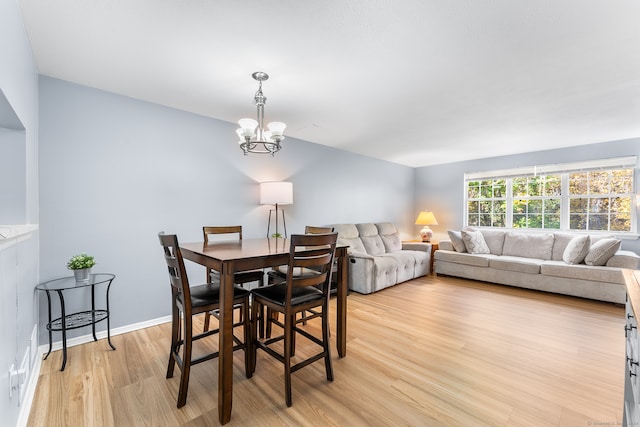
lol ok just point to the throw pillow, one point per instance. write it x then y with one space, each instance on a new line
456 241
601 251
474 242
576 249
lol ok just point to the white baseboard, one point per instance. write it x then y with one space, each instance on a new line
25 409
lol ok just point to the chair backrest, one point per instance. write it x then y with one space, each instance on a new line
310 229
311 253
175 264
232 229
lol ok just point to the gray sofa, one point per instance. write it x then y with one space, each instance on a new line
553 262
378 258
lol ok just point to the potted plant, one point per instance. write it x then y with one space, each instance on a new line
81 265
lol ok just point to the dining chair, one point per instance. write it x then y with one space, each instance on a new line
239 278
307 286
188 301
277 276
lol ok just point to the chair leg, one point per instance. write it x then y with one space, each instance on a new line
292 321
248 338
325 339
255 319
175 330
270 315
288 333
186 362
207 318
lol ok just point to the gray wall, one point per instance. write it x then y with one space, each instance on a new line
441 188
18 143
114 171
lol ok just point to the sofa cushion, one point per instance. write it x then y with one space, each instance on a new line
577 249
601 251
463 258
456 240
494 240
370 238
582 272
560 242
512 263
389 235
528 245
348 235
474 242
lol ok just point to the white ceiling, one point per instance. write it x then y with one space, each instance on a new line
416 82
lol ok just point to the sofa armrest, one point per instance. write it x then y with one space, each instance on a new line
417 246
446 245
360 255
625 259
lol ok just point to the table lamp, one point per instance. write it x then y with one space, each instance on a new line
426 219
276 193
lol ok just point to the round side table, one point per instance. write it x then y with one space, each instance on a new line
82 318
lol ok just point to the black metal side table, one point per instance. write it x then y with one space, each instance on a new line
82 318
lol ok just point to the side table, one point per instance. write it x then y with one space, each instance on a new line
82 318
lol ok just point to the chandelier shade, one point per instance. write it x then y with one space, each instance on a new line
254 138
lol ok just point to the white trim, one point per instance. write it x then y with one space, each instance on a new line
25 409
617 162
12 234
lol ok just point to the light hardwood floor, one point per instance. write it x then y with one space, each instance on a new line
431 352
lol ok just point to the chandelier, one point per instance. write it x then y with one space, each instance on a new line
254 138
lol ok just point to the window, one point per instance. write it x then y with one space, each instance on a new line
589 196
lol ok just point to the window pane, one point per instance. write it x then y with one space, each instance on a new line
473 207
599 182
499 220
578 221
485 220
473 190
622 181
599 205
552 206
519 186
578 205
534 186
519 206
473 220
553 186
620 223
499 188
535 221
535 206
620 205
485 207
486 189
500 207
578 183
552 221
598 222
519 221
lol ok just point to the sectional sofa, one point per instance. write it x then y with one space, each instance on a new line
378 258
588 266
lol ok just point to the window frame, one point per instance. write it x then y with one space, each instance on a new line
564 171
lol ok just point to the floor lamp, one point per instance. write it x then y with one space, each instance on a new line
276 193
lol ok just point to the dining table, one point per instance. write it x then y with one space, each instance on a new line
230 257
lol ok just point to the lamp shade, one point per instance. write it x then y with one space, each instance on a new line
276 192
426 218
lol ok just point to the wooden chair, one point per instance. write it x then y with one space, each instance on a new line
240 278
307 286
277 276
187 302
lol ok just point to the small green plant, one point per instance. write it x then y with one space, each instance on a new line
81 261
277 235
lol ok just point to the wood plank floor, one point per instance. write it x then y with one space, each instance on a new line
435 351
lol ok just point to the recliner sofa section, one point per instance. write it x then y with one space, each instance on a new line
378 258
